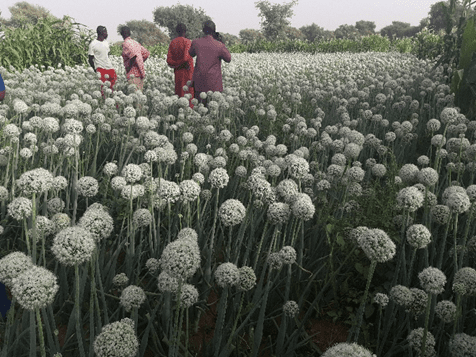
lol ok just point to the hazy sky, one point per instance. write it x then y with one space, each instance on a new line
234 15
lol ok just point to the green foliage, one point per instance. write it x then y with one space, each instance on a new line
293 33
47 43
427 44
274 18
145 32
365 28
438 19
461 89
347 32
23 13
314 32
399 29
230 39
250 35
158 50
170 16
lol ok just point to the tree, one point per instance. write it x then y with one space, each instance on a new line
23 13
250 35
440 11
397 29
170 16
314 32
293 33
230 39
365 28
346 31
274 18
145 32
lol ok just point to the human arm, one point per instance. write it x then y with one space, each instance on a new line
2 95
144 53
192 52
225 54
178 56
91 62
131 64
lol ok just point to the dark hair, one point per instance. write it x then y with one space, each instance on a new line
180 28
125 31
209 27
100 30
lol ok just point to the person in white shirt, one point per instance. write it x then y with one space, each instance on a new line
99 57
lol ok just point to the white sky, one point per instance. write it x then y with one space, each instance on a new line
234 15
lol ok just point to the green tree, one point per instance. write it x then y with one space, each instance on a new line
145 32
293 33
274 18
170 16
314 32
439 14
346 31
250 35
365 28
24 13
397 29
230 40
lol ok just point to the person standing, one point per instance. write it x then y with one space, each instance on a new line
179 59
207 74
99 57
2 89
134 55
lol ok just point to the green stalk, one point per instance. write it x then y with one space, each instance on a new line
33 226
32 334
78 313
364 300
228 344
260 245
222 306
40 333
208 270
282 328
427 319
6 335
92 300
27 236
458 314
259 329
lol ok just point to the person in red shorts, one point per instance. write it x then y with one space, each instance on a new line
182 63
99 57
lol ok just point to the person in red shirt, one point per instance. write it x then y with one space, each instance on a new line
134 55
207 74
179 59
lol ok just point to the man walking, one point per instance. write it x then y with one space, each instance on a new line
179 59
134 55
99 59
207 74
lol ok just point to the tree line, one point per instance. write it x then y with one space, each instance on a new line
275 24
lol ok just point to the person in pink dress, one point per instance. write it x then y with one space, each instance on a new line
134 55
179 59
207 74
